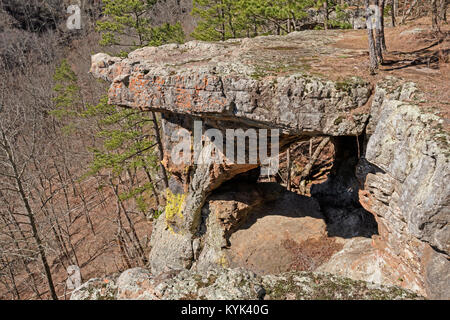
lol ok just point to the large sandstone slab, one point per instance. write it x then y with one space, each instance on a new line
262 82
261 244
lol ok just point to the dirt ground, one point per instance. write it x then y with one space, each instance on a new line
414 52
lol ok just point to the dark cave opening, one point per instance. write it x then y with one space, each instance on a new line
269 229
334 182
338 195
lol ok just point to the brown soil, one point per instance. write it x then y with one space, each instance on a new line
98 254
311 253
421 57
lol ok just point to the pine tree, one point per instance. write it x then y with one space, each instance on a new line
67 91
126 24
215 19
128 148
128 143
226 19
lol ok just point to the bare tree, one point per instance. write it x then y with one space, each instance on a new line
408 11
45 207
325 8
393 12
13 171
382 35
435 16
443 10
307 170
372 52
379 31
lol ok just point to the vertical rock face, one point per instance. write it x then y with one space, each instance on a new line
410 195
406 149
392 158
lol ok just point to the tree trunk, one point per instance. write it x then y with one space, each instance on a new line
408 12
435 16
222 15
150 180
306 171
383 38
22 239
378 32
289 163
160 149
14 290
443 10
372 52
325 7
29 214
136 242
393 10
38 241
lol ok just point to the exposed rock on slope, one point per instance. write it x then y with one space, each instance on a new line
410 196
233 284
397 166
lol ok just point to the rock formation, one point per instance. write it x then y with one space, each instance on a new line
391 162
233 284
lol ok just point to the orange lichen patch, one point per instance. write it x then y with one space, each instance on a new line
183 97
115 91
138 83
160 81
117 70
221 102
141 90
202 86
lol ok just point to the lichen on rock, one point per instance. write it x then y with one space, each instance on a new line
174 209
240 284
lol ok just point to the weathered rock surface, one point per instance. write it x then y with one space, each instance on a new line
225 212
359 260
225 81
235 284
261 243
97 289
392 158
410 195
